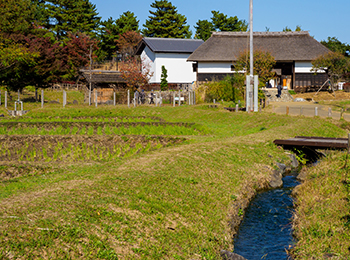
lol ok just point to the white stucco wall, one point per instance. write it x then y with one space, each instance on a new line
303 67
214 67
179 70
148 60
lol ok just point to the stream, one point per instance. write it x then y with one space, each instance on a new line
266 230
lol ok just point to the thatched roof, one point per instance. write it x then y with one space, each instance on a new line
284 46
103 76
169 45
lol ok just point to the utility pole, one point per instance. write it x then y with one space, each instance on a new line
90 74
251 92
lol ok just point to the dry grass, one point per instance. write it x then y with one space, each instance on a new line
324 96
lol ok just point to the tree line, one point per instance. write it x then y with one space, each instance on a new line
48 41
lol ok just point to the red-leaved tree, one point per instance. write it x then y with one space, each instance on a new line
127 43
135 72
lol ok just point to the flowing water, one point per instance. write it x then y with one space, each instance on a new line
266 231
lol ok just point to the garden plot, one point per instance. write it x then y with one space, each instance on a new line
33 148
97 128
116 119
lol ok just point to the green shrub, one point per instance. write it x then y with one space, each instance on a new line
231 88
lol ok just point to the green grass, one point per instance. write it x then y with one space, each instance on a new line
176 202
322 224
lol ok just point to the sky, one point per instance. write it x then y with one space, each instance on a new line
322 18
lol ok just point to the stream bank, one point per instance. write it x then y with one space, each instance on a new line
268 203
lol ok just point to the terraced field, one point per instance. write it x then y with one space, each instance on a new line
83 139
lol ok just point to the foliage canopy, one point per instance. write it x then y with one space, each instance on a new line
263 65
219 22
166 22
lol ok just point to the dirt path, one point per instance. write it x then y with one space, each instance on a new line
307 109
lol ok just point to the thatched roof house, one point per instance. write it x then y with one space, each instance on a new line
293 52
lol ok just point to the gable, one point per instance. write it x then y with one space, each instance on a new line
169 45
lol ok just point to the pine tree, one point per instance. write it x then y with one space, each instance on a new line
63 16
165 22
203 29
163 79
111 30
219 22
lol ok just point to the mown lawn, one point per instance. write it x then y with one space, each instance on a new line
171 202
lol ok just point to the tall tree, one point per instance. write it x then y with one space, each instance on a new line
53 61
263 65
63 16
335 45
335 64
127 22
16 16
166 22
110 31
219 22
135 72
223 23
204 29
128 42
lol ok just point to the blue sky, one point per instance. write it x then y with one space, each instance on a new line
322 18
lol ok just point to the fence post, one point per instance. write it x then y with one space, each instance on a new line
236 107
5 99
174 99
341 113
329 112
179 98
64 98
316 111
128 97
160 98
248 109
287 110
301 111
96 97
42 98
189 97
114 98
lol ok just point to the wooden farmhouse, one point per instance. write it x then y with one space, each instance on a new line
293 52
171 53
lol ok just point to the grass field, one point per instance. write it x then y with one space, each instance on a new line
170 194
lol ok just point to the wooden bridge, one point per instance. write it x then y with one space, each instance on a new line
308 145
314 142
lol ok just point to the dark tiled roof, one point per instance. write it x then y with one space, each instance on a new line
169 45
284 46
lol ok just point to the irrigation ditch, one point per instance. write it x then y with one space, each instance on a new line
262 222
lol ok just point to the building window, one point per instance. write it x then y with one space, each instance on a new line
232 67
194 67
